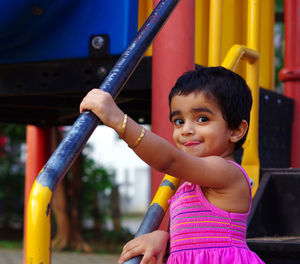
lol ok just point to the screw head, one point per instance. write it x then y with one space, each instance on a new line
97 42
101 71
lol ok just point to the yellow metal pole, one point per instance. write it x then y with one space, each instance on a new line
266 49
201 32
232 24
38 225
250 160
145 9
165 191
234 27
215 32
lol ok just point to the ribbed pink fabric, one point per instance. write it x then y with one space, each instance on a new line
202 233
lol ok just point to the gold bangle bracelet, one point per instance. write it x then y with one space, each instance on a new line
138 141
124 124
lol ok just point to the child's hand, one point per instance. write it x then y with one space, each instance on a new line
150 245
103 105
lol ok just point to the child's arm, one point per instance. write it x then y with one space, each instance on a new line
149 245
211 171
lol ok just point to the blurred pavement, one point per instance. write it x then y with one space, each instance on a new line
15 256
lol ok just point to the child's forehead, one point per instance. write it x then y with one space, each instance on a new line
190 102
199 97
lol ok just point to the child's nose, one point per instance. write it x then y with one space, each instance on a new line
188 128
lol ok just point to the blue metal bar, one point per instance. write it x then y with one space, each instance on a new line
151 222
70 147
156 210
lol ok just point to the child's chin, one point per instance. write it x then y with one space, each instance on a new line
195 153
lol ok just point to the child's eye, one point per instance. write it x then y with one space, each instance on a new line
178 122
202 119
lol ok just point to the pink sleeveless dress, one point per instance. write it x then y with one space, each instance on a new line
202 233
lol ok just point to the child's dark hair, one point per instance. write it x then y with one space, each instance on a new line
230 90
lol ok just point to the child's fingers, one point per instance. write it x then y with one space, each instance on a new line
144 245
91 100
82 106
128 255
146 259
86 102
130 250
160 257
131 244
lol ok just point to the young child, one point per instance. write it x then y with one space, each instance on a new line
210 112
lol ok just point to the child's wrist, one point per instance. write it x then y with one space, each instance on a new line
118 123
123 127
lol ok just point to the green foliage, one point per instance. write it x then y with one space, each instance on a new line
11 178
279 5
11 175
96 178
15 133
11 244
279 54
278 45
97 185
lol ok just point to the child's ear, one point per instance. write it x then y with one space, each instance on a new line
239 132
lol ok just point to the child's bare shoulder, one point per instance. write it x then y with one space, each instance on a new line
234 193
215 172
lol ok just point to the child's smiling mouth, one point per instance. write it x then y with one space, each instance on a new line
191 143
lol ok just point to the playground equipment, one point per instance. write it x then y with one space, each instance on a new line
38 214
224 35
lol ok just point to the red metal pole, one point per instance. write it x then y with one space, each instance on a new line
173 54
290 74
39 143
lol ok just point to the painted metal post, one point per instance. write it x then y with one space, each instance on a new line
173 54
215 33
38 142
145 9
201 32
250 160
266 49
290 74
39 205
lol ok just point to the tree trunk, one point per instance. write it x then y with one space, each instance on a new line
66 209
59 208
75 195
116 213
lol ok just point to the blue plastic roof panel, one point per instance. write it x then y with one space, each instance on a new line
39 30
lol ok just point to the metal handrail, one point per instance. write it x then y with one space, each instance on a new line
39 203
238 53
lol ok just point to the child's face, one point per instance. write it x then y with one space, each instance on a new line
199 126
